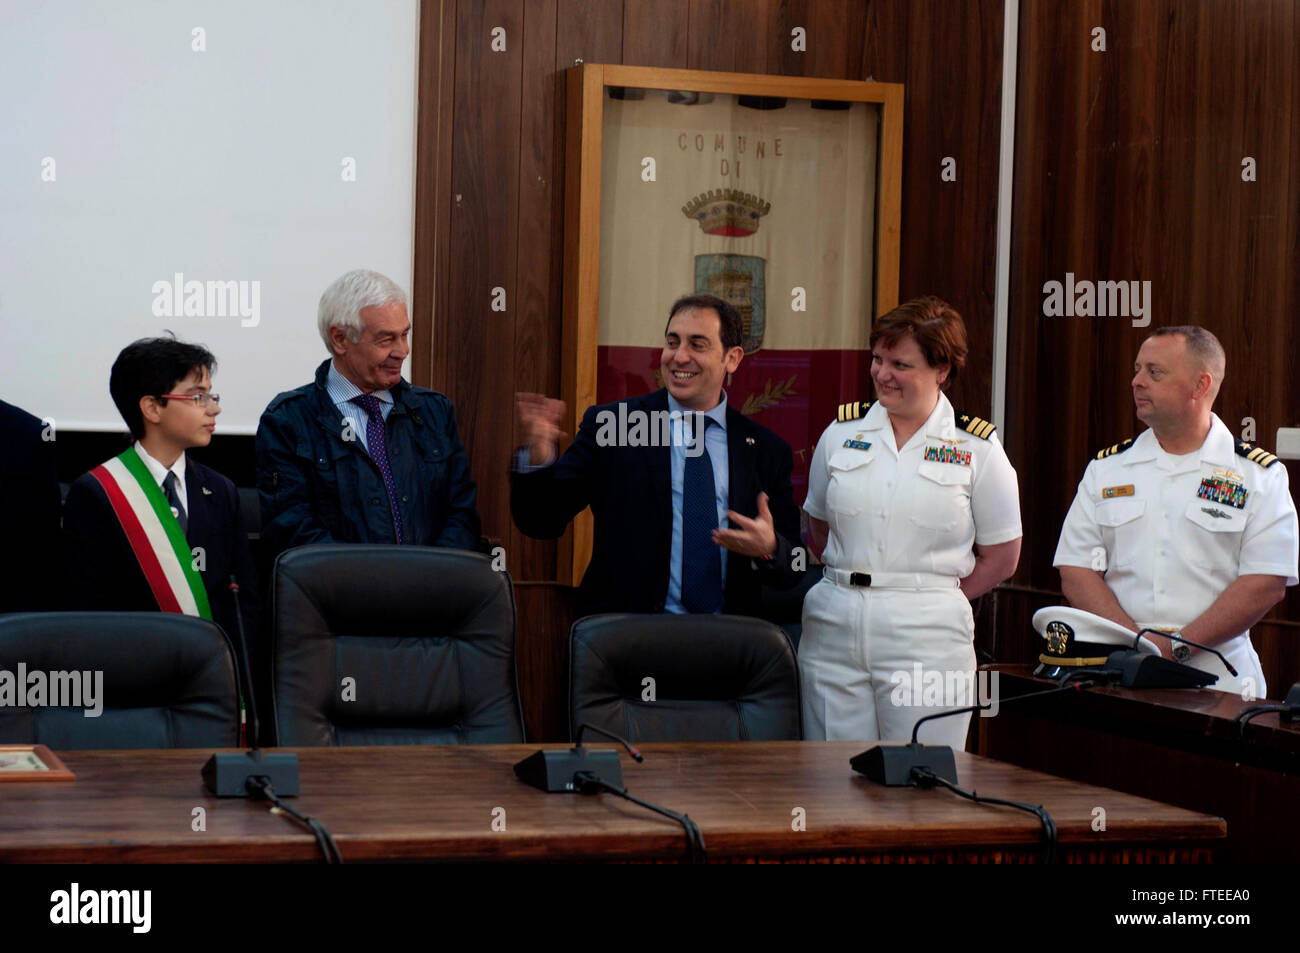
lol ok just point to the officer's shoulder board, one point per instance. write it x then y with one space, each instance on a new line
976 425
1114 449
1255 454
853 410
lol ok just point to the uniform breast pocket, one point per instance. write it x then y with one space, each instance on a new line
848 473
1215 534
942 500
1121 529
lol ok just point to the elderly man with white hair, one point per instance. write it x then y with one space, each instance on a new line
360 455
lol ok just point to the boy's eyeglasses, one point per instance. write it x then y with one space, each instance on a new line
201 400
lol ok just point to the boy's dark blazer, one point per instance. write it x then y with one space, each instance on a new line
102 570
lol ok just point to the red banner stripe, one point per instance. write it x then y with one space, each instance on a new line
135 535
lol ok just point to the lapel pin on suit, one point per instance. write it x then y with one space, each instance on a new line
749 440
206 491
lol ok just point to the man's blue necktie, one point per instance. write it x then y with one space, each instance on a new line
377 444
701 556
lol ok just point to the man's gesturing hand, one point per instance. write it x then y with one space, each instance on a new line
539 426
749 537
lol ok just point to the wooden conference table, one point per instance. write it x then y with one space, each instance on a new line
1179 746
439 803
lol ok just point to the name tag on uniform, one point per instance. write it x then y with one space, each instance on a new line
1113 491
857 444
1218 490
948 455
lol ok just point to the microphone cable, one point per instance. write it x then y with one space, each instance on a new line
261 786
925 778
1246 714
589 783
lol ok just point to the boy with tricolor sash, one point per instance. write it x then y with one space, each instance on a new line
152 529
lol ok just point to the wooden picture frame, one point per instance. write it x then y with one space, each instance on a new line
51 768
586 86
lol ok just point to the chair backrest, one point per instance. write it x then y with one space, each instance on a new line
158 679
393 645
714 678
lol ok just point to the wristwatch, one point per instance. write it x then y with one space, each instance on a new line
1182 651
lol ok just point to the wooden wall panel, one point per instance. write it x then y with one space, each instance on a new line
538 259
589 30
484 241
545 613
655 32
949 58
1129 167
733 36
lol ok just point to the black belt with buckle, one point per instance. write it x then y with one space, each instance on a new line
860 579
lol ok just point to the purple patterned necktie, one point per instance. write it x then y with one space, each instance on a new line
377 444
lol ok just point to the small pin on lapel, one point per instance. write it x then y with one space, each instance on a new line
206 491
749 440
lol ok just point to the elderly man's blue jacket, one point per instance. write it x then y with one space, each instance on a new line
317 483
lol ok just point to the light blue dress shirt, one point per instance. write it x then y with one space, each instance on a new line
342 390
715 441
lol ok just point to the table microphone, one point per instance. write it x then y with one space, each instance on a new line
555 771
1138 670
893 765
230 773
595 771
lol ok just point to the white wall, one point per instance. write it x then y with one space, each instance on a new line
221 165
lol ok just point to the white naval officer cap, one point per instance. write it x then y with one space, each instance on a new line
1079 639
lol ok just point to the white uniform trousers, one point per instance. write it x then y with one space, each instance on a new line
858 659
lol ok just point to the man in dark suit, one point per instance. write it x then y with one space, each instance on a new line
152 529
693 507
29 498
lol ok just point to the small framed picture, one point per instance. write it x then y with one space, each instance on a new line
32 763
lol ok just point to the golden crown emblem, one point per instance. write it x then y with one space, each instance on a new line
727 212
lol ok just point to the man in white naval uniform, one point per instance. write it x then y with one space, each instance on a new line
1184 528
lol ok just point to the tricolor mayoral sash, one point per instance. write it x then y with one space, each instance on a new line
154 534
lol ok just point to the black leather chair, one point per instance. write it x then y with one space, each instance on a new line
716 678
168 680
426 637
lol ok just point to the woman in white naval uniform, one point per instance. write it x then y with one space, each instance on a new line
916 510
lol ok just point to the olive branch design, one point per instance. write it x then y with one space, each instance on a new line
772 394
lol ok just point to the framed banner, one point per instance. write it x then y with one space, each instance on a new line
779 194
